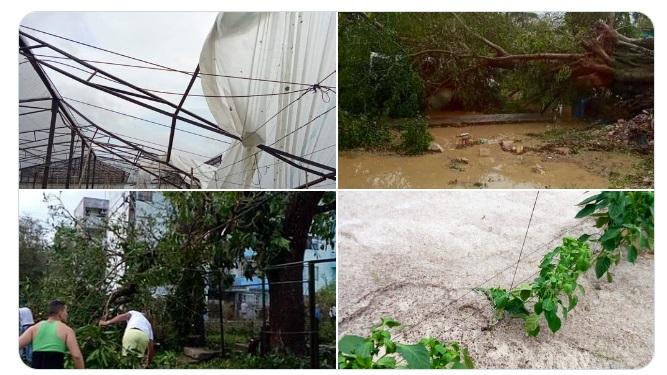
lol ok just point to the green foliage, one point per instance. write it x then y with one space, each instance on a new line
554 291
326 298
32 250
379 351
415 136
375 76
102 349
626 218
355 131
277 359
391 63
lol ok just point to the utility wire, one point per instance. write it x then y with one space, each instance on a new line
524 238
162 67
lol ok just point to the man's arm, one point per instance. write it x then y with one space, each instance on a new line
74 350
116 319
26 337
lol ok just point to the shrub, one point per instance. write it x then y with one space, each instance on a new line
415 136
361 131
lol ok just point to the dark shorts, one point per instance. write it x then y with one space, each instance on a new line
46 360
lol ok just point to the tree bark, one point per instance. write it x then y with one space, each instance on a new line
287 312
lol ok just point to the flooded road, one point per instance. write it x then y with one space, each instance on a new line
484 165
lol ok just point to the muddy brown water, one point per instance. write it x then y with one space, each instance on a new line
487 164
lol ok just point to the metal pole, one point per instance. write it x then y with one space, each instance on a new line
88 168
263 335
178 109
92 186
222 328
49 146
83 149
69 160
314 344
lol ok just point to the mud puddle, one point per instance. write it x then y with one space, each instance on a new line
484 165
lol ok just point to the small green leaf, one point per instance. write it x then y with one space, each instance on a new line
632 253
548 304
349 343
386 362
389 322
538 308
587 210
532 323
584 237
415 355
609 234
553 320
602 265
589 199
573 302
601 221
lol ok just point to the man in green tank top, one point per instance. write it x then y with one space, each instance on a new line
51 338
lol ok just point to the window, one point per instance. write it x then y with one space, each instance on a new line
145 196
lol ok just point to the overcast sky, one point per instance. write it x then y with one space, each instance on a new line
31 202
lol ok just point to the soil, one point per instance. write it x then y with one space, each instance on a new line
542 165
417 255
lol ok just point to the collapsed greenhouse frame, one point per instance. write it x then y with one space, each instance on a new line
61 147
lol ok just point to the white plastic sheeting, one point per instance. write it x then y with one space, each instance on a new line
297 49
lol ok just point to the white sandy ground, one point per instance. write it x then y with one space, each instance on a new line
415 255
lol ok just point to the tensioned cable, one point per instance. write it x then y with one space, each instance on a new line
499 272
315 87
306 124
524 238
163 67
180 93
145 120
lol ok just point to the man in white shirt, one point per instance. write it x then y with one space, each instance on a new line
138 336
25 321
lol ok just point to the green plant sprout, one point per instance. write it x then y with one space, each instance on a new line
554 290
379 351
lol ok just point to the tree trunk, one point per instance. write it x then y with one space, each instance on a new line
287 312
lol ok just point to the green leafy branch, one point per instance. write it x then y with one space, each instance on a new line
626 218
554 290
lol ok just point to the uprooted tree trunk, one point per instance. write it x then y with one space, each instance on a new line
287 313
610 60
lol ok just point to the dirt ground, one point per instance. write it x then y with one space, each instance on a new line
416 255
487 165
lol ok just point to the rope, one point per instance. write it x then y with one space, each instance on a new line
524 238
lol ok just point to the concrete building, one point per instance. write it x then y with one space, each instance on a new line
141 211
91 214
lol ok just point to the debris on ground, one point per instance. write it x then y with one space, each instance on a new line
515 147
458 164
464 140
538 169
636 132
435 147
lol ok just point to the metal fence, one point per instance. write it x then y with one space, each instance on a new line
311 329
